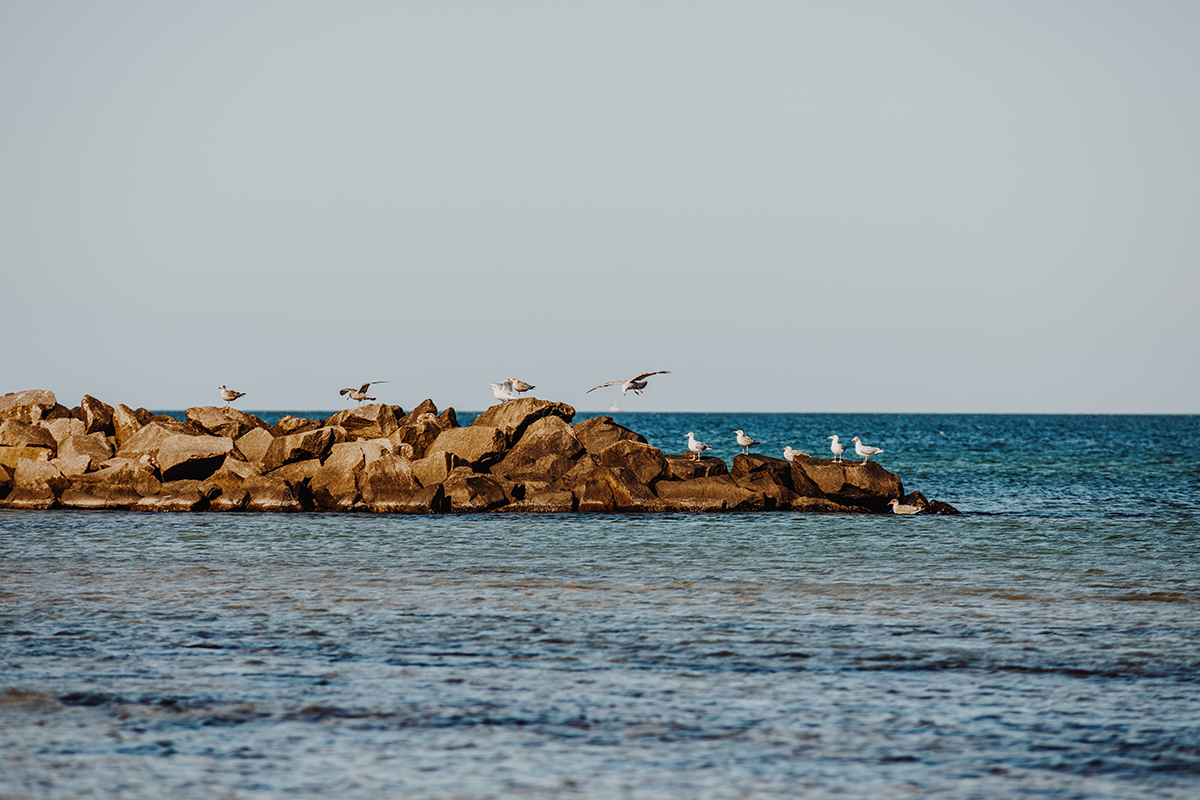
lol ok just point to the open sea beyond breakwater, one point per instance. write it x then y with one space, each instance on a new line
1044 644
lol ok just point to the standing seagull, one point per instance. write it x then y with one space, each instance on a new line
519 386
695 446
503 391
229 395
634 384
865 450
837 448
360 393
745 442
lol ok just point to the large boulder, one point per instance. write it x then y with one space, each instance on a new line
10 456
95 446
646 462
480 446
335 485
301 447
373 421
117 475
97 416
288 425
424 407
36 485
548 501
418 433
31 405
515 416
765 475
434 469
150 437
297 471
65 428
388 484
275 494
714 493
598 433
848 483
617 489
255 443
546 452
16 433
684 468
467 491
182 457
224 421
125 424
180 495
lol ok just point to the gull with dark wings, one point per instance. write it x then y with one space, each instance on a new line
360 393
229 395
634 384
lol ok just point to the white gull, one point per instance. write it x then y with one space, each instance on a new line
745 442
229 395
360 393
503 391
837 448
900 508
634 384
865 450
695 446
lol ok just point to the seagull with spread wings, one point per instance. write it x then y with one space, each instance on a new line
360 393
634 384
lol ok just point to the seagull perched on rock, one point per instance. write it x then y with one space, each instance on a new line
503 391
865 450
360 393
745 442
695 446
634 384
900 508
229 395
789 453
837 448
519 386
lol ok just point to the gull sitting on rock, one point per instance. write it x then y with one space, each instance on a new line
745 442
789 453
837 448
519 386
229 395
865 450
695 446
634 384
503 391
360 393
900 508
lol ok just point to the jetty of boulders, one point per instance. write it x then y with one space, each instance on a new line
525 455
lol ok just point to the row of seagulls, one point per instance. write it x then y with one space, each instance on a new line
229 395
360 393
634 384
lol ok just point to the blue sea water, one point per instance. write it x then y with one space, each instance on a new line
1046 643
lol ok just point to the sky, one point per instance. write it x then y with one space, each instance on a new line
919 207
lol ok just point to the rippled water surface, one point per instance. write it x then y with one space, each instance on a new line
1045 644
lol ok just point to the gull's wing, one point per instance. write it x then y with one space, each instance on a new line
647 375
345 391
372 383
601 386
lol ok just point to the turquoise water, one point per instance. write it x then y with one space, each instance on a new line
1044 644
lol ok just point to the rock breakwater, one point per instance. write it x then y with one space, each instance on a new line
526 455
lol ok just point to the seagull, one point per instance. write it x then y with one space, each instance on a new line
837 448
503 391
865 450
360 393
634 384
898 508
789 453
520 386
695 446
229 395
745 442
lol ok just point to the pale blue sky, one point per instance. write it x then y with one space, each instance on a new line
831 207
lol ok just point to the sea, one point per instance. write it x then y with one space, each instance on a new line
1043 644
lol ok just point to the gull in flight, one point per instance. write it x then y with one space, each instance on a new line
229 395
360 393
900 508
634 384
745 442
865 450
519 386
695 446
504 391
837 448
789 453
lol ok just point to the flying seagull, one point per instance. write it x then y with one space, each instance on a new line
695 446
745 442
837 448
519 386
865 450
229 395
360 393
503 391
634 384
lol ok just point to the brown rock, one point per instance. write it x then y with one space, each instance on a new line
301 447
617 489
430 500
373 421
938 507
546 451
424 407
704 494
100 498
125 424
38 498
75 465
15 433
646 462
297 471
65 428
821 505
224 421
181 495
275 495
10 456
418 433
598 433
230 499
119 473
289 425
335 486
388 484
448 418
684 468
97 417
478 445
435 468
95 446
469 491
31 405
183 457
515 416
5 481
765 475
150 438
545 502
849 483
254 444
31 474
